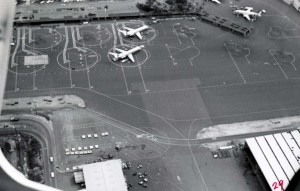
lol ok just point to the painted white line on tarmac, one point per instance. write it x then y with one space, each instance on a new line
270 51
128 92
235 64
13 57
115 36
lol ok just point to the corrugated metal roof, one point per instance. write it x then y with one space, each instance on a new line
262 161
287 151
272 160
292 144
105 176
277 156
283 161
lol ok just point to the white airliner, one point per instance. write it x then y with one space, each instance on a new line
130 32
125 53
248 13
216 1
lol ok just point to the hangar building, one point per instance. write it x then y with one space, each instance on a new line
276 157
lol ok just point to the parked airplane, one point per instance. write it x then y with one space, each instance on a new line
248 12
125 53
130 32
216 1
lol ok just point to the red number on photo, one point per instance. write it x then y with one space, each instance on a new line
280 183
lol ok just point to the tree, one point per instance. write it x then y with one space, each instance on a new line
183 2
170 2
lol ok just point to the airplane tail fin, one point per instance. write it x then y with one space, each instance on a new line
260 12
123 32
114 54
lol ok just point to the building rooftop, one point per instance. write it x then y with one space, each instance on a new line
104 176
277 155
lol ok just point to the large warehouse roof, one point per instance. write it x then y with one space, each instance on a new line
104 176
277 156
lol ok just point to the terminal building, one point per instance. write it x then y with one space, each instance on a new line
104 176
275 158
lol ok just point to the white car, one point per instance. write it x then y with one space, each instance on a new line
85 152
104 134
90 151
95 135
72 153
76 152
89 136
79 148
51 159
52 174
67 153
83 136
96 146
85 148
91 147
73 149
67 149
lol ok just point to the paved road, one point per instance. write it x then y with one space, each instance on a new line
36 127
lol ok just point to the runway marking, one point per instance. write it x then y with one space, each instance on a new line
119 34
235 64
16 79
180 50
87 68
30 35
270 51
23 44
70 72
174 30
115 36
128 92
78 33
140 70
287 37
74 41
170 55
13 57
66 46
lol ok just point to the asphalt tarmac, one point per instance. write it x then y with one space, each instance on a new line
190 76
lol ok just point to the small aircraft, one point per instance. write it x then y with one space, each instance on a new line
216 1
130 32
125 53
248 12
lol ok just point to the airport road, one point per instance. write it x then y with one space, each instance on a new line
37 128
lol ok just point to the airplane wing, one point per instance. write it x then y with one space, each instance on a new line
129 29
216 1
138 34
130 56
249 8
121 51
247 17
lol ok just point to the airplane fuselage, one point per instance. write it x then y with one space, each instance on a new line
131 33
131 51
242 12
